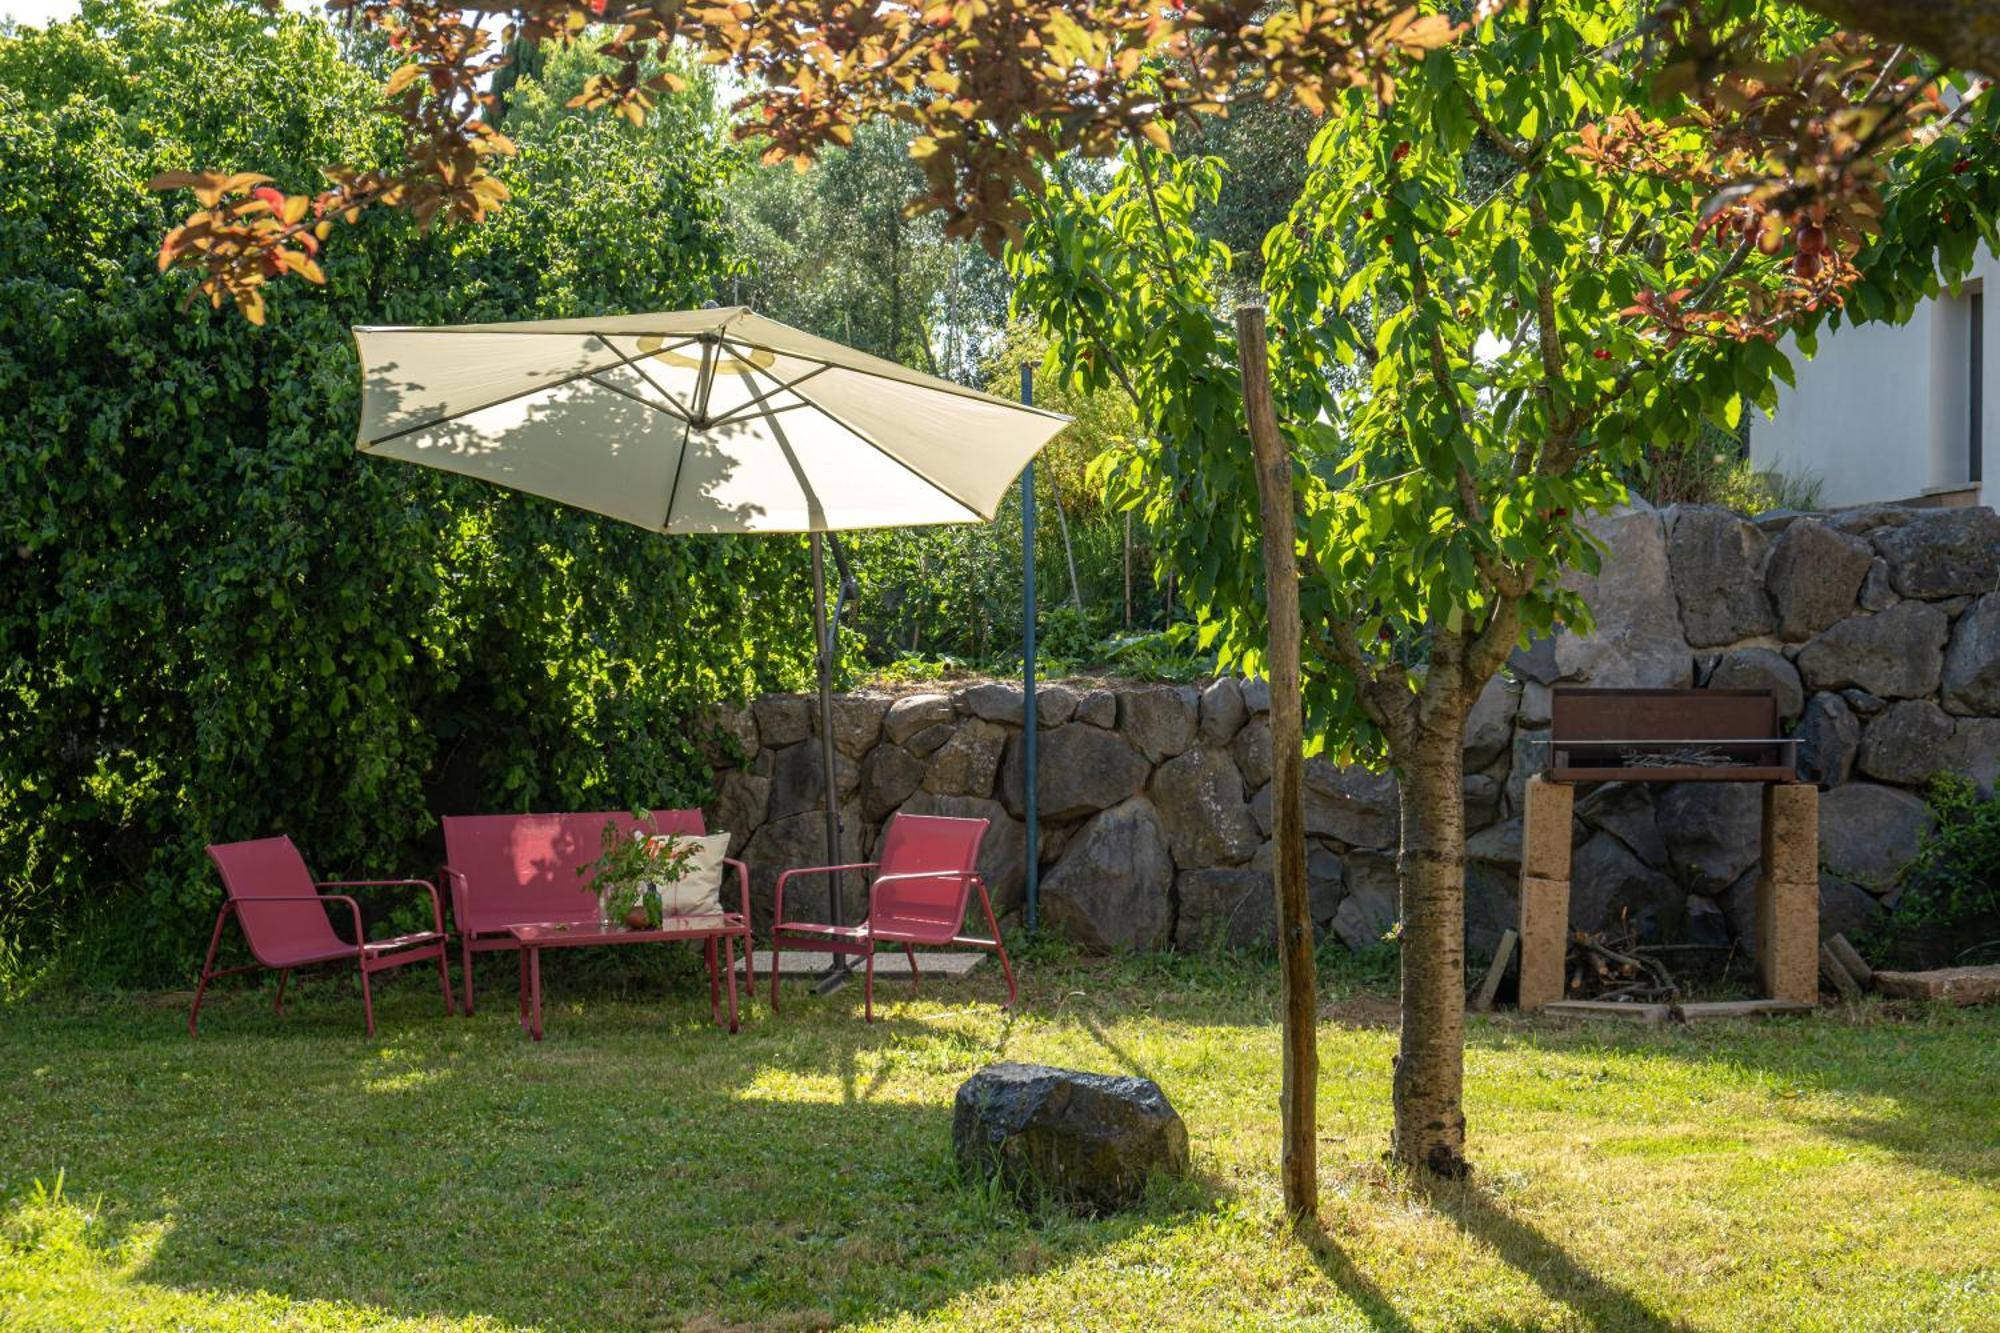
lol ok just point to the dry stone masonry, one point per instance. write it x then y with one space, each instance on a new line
1877 629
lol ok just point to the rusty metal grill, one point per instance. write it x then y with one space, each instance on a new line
1668 736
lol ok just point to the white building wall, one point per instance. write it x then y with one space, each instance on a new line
1883 412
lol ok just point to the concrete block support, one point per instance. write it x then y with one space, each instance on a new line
1544 940
1545 829
1546 811
1788 893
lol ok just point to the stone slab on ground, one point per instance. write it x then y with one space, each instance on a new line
1953 985
1695 1011
888 963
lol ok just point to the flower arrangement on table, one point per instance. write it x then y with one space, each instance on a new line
638 874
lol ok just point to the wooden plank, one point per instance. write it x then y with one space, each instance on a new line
1610 1009
1490 986
1953 985
1857 966
1835 974
1699 1011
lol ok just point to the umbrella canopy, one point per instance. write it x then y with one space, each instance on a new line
694 421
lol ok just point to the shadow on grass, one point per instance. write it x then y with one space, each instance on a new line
1598 1302
1340 1270
638 1168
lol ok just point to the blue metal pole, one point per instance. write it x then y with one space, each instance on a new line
1028 715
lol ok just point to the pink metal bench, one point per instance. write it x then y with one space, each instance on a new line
283 915
509 871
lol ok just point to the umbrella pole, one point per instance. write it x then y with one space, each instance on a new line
836 974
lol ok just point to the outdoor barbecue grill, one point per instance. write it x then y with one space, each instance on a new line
1668 736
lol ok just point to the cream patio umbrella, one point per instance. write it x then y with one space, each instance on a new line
699 421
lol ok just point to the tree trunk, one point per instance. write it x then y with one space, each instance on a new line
1430 1065
1298 1092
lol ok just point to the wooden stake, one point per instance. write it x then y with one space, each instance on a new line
1857 967
1297 1096
1490 987
1835 974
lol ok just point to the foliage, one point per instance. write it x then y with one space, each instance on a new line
666 1174
1955 880
216 620
1465 362
1715 469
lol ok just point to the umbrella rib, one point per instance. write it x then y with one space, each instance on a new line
684 413
586 374
744 409
866 439
640 399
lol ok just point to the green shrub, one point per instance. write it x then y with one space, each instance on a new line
217 620
1955 881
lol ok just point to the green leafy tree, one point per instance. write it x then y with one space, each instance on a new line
1465 363
216 619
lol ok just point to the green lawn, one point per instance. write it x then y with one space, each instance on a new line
641 1169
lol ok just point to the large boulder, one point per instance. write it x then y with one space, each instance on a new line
1090 1141
1352 805
1055 704
1252 751
782 719
1099 708
1869 834
1078 769
1159 719
993 701
1370 907
1113 887
1200 799
857 722
1898 653
1326 880
1846 909
798 782
1906 742
1975 752
913 713
1489 727
1761 669
1625 811
1610 889
888 775
1718 571
1814 575
1971 676
1711 830
1829 737
1222 711
800 840
1230 907
1943 553
741 802
967 763
1638 640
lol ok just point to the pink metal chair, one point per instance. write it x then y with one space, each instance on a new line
920 896
284 919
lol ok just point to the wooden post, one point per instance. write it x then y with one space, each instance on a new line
1299 1166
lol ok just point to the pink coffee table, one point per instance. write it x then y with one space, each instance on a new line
724 928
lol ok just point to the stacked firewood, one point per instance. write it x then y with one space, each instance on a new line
1614 966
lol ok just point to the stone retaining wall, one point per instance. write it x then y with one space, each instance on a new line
1879 630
